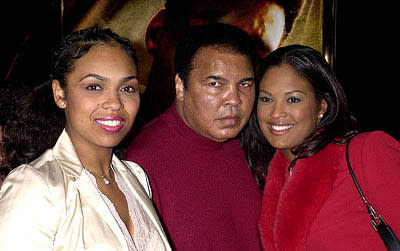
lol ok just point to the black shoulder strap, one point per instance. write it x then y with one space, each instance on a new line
353 176
386 233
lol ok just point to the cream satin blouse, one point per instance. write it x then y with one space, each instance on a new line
52 204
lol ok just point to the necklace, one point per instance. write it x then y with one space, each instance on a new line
106 181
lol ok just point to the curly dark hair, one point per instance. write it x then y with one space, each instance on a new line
12 93
34 127
337 125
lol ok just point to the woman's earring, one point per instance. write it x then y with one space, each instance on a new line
62 103
321 115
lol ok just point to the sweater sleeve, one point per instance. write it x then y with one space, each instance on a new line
379 156
28 216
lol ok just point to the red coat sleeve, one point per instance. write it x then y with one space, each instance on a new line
376 158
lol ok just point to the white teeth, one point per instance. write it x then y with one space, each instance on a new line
109 122
281 128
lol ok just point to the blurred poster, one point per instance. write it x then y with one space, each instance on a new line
154 26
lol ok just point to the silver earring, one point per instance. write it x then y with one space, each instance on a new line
321 115
62 103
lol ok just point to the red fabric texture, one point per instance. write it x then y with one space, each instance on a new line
318 206
203 190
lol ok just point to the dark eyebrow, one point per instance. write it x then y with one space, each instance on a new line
93 76
294 91
247 79
98 77
286 93
213 77
129 78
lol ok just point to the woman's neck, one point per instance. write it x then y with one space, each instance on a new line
288 154
94 158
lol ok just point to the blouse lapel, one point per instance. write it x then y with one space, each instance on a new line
92 203
98 210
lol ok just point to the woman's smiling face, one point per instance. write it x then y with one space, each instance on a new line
287 109
101 98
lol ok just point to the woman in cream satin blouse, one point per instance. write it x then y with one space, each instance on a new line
79 195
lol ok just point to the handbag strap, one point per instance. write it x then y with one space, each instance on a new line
376 219
387 235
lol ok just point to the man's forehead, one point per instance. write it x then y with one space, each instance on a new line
205 51
208 59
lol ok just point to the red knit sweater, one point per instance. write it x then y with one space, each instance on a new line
318 206
203 190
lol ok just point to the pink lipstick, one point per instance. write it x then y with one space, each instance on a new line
111 123
279 129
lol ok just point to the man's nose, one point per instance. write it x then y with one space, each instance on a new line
233 96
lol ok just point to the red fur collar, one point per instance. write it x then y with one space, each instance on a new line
289 206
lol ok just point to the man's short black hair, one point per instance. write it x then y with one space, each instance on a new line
221 36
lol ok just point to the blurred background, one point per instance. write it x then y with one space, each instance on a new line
359 41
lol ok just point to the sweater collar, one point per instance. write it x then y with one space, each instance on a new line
192 137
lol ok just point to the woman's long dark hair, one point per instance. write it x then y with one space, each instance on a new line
38 121
337 124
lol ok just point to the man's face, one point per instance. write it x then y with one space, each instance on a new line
219 96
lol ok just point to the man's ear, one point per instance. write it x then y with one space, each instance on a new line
179 88
153 31
59 94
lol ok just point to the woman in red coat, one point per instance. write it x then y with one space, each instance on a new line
295 143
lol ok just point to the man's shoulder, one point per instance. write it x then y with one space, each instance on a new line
154 128
156 136
157 127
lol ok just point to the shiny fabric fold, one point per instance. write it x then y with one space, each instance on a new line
51 204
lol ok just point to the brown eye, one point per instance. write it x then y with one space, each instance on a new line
293 100
93 87
129 89
245 84
265 99
215 84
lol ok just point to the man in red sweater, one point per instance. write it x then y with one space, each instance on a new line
202 187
